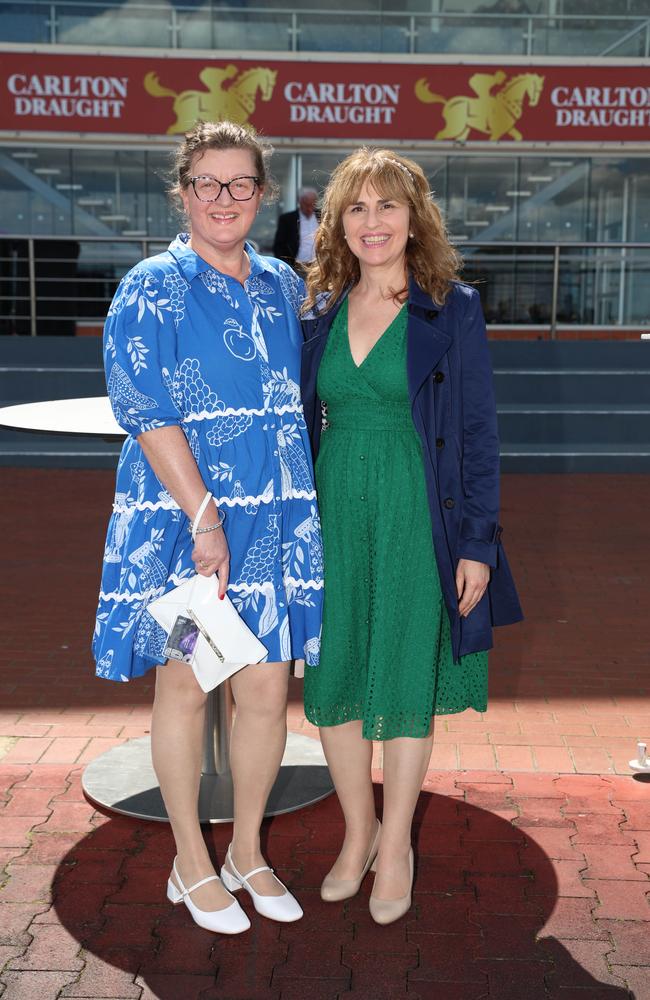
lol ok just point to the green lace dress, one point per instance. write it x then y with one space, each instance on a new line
386 655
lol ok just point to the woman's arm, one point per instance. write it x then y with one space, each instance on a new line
479 528
169 455
139 354
477 547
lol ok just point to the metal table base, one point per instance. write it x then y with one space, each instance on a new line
123 780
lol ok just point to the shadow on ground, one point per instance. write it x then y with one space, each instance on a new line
484 891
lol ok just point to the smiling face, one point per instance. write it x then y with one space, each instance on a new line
376 228
219 228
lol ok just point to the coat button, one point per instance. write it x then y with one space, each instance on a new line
439 377
449 503
440 442
431 314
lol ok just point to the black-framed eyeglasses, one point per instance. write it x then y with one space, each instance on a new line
208 188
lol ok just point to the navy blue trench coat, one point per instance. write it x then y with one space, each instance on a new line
452 403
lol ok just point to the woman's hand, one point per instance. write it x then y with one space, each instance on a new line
472 579
211 555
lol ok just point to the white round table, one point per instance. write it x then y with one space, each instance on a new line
90 415
123 779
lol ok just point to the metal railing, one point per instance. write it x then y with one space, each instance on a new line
71 283
552 285
58 284
284 28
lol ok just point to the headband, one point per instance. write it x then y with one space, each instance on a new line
396 163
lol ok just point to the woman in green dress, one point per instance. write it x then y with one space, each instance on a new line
407 478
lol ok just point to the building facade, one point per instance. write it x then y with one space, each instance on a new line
531 120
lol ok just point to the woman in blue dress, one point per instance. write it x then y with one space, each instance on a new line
202 356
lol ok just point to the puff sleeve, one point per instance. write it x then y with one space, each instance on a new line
140 352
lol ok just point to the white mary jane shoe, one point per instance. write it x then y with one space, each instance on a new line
285 908
230 920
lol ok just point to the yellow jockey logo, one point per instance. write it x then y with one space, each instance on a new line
497 107
228 94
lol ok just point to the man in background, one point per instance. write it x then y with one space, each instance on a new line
294 237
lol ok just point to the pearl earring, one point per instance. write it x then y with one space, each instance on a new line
411 236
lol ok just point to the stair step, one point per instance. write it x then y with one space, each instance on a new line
578 424
594 448
622 408
619 457
571 371
572 386
25 383
590 354
57 451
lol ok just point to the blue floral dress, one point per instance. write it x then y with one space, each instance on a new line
188 346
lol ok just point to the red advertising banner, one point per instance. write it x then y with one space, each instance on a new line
368 101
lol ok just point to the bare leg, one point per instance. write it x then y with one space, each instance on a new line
259 736
176 747
405 764
349 758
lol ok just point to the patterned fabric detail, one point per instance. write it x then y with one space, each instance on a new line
191 392
128 402
139 290
292 288
176 287
216 283
281 391
185 345
149 636
228 428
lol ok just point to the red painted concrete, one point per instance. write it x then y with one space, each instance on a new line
533 840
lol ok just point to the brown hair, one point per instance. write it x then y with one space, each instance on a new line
429 256
220 135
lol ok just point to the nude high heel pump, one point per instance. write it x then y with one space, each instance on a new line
386 911
333 890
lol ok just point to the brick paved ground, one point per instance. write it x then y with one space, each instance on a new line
533 841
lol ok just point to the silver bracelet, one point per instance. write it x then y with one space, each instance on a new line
210 527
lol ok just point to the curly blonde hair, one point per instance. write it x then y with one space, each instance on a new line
429 256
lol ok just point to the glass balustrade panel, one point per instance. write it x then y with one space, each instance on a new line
480 205
585 36
636 285
130 24
248 31
553 198
515 285
25 22
475 36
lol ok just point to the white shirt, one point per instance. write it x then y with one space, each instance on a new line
308 226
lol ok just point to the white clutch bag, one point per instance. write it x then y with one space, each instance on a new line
205 632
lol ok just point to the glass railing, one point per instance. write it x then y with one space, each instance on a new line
61 285
286 29
550 286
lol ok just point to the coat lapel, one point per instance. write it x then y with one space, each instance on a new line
427 339
316 327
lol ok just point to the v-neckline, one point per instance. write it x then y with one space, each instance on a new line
376 343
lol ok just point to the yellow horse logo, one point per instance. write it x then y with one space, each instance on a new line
228 94
493 114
